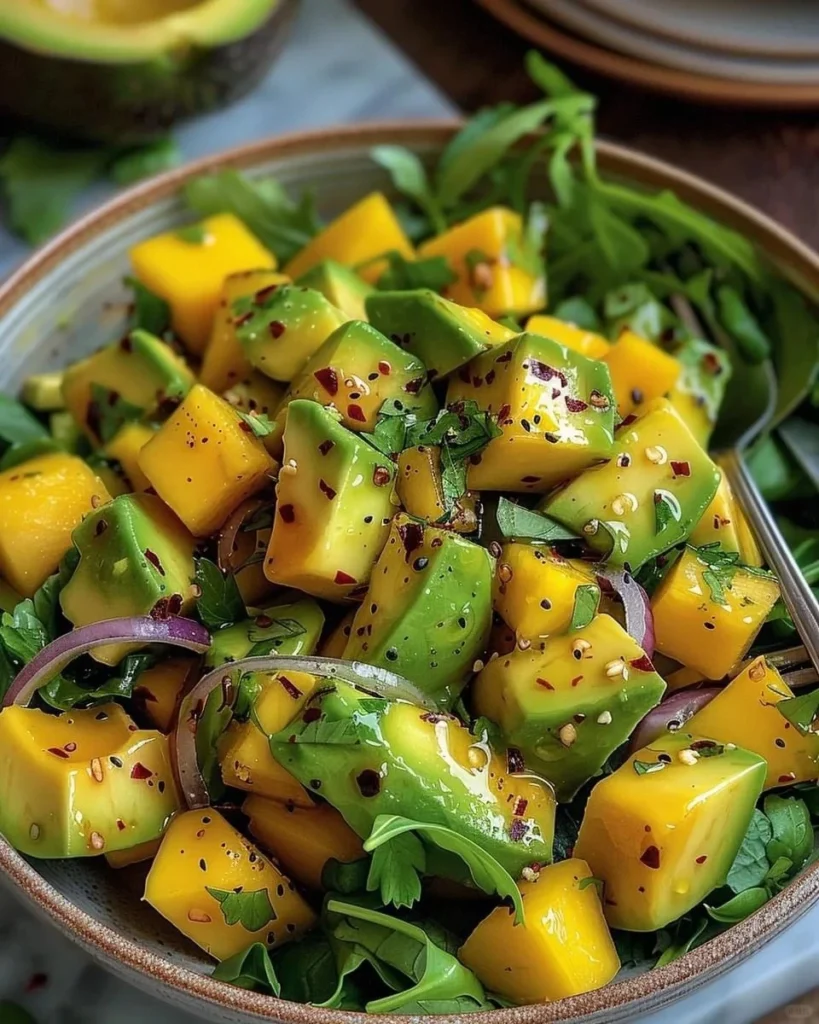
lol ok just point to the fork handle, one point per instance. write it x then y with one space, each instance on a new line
799 599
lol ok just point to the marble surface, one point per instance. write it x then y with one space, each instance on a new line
336 69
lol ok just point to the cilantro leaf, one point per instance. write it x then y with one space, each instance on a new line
154 157
268 639
151 313
219 602
252 910
666 510
108 412
342 732
586 600
260 424
403 274
390 433
396 868
751 864
526 524
17 425
251 969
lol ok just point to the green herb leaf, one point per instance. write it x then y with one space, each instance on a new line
742 325
739 907
251 969
347 879
648 767
578 311
151 313
320 971
390 433
410 178
20 453
666 510
586 600
684 944
259 423
751 864
219 603
404 275
267 639
486 872
801 711
87 690
526 524
109 412
17 425
252 910
193 234
584 883
396 868
342 732
792 830
145 161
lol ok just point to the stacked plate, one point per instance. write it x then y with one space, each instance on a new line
754 52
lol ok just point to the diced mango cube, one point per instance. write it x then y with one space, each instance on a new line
125 448
420 488
205 461
587 343
42 501
220 891
725 525
188 268
563 949
640 372
160 688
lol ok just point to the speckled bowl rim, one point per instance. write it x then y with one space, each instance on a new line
650 990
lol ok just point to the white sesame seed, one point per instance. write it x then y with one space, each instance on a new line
567 734
478 665
604 718
687 756
615 668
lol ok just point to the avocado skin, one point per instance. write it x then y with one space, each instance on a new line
132 103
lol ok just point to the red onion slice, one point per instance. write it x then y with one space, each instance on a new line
229 535
369 677
639 619
51 660
671 715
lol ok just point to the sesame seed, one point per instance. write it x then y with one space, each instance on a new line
687 756
567 734
604 718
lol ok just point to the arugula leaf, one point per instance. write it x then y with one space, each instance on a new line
84 689
280 224
586 600
742 325
108 412
252 910
792 830
345 878
405 275
486 872
578 311
193 234
526 524
410 178
260 423
751 864
252 969
154 157
151 313
396 868
17 425
740 906
219 602
22 634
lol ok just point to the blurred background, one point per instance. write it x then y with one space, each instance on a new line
95 95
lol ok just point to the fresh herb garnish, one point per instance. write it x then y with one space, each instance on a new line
150 312
410 178
260 424
17 425
192 234
140 162
647 767
108 412
586 600
526 524
219 602
267 639
252 910
404 275
396 868
666 510
345 878
252 969
801 711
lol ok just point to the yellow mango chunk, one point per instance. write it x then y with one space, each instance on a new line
707 621
188 273
302 839
334 644
125 448
664 829
587 343
159 690
534 589
481 252
135 855
420 488
640 372
220 891
205 461
564 948
725 524
225 362
244 752
745 713
41 502
366 230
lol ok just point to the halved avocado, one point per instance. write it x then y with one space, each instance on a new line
138 65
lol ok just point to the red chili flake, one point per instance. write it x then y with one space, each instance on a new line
576 405
153 558
327 489
518 830
381 476
520 807
631 418
514 761
245 426
328 378
57 752
642 664
145 695
276 328
287 513
384 367
787 778
651 857
174 604
325 446
36 981
311 715
712 364
545 372
576 680
681 468
544 683
120 824
240 321
291 688
355 412
505 357
161 610
490 377
139 771
702 859
412 537
344 578
465 375
503 412
412 387
263 294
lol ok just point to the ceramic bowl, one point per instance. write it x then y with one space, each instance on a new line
69 299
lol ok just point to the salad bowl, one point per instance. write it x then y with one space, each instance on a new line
68 300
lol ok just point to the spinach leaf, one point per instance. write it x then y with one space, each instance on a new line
526 524
17 454
751 864
395 870
140 162
740 906
319 970
219 602
742 325
251 969
150 312
685 937
792 830
579 312
586 600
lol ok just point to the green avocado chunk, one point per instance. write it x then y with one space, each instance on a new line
286 628
128 380
340 285
569 706
82 783
428 611
136 558
441 333
368 756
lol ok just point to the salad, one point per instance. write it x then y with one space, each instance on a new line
375 594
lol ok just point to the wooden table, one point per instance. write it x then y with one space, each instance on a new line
770 159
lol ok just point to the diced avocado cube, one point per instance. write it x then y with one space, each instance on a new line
425 765
420 487
562 949
428 610
441 333
709 608
135 558
356 370
82 783
700 388
334 505
663 830
554 408
340 285
44 391
124 381
746 713
649 495
569 706
280 330
283 628
640 372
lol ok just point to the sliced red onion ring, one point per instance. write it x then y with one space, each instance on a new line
368 677
51 660
671 715
639 619
228 536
